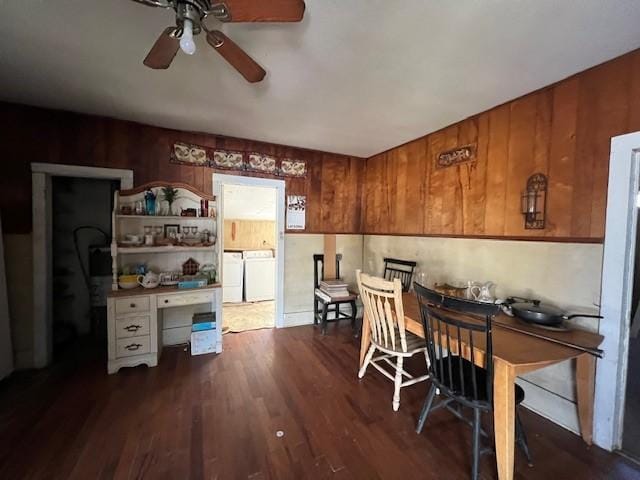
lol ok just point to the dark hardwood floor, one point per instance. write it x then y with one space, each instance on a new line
217 417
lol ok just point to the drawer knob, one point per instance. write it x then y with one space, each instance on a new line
133 305
133 346
166 300
132 328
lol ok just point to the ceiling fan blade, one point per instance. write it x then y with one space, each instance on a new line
155 3
259 11
161 54
237 57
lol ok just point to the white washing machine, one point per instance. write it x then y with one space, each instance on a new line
259 275
232 277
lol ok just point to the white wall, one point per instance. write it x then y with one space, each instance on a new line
298 271
565 274
243 202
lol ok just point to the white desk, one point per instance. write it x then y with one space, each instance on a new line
135 329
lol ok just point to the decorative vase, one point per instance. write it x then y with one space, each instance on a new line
150 202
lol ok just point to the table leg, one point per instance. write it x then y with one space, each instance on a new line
504 406
365 339
585 383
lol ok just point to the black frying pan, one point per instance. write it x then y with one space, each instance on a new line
533 311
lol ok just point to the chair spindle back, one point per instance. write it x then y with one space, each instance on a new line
402 269
382 300
452 339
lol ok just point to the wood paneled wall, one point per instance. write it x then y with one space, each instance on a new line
563 131
333 184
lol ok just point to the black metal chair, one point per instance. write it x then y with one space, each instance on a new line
323 304
402 269
455 377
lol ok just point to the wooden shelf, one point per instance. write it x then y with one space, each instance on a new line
166 217
162 249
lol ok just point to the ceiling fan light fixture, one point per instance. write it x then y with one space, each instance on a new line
187 44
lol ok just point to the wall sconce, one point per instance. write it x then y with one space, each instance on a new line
534 202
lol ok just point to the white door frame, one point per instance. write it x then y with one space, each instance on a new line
617 288
219 180
41 174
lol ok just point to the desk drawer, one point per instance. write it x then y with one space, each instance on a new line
132 326
132 304
181 299
127 347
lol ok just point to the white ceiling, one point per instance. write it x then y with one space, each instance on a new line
355 77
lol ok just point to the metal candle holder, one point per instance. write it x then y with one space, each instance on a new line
534 202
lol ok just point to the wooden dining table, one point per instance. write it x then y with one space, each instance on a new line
519 349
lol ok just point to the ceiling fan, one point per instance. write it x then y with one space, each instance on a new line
190 16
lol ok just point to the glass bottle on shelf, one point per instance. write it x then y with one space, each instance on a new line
150 202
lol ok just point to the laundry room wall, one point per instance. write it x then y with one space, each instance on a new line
249 217
249 234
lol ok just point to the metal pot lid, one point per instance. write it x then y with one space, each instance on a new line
536 307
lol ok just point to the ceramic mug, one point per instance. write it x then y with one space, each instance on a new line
148 239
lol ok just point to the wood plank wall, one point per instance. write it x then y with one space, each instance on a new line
563 131
333 184
249 234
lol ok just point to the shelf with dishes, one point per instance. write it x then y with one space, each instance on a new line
124 250
172 219
120 216
164 254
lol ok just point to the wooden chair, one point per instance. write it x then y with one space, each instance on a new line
402 269
384 313
450 337
323 304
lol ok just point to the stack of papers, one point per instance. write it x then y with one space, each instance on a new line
334 288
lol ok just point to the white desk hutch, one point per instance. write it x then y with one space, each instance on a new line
140 321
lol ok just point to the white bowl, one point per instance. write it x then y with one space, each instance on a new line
128 285
150 285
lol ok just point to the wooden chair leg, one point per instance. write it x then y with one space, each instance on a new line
367 359
426 356
354 311
425 409
397 384
521 439
315 310
323 327
476 444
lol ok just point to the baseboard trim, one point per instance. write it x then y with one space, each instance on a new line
296 319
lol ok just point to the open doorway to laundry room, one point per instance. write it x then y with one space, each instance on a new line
250 249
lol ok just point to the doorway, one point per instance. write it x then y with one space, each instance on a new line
81 245
42 179
251 226
614 371
631 420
